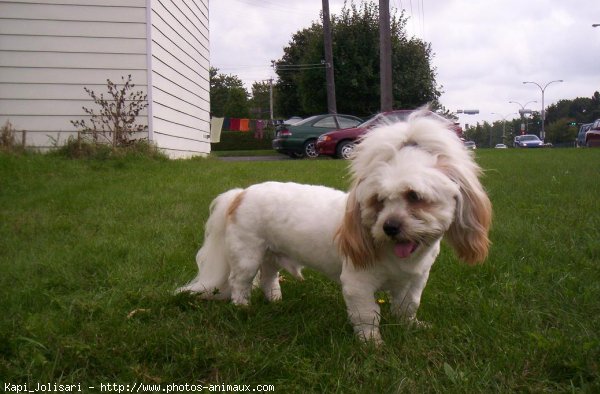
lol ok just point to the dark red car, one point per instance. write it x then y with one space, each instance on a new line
340 143
592 137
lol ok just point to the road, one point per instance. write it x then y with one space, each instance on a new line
255 158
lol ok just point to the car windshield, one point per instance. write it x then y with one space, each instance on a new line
393 117
307 120
385 118
347 122
529 138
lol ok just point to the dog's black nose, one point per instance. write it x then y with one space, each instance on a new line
392 227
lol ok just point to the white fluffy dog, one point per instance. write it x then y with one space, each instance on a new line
413 183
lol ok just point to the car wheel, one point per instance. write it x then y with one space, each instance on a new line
310 149
344 149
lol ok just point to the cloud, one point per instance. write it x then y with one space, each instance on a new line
483 50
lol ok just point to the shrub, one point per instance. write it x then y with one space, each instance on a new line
235 140
8 142
7 135
115 123
78 149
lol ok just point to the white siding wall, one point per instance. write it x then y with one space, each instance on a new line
51 49
180 76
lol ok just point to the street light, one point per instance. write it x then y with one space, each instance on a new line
467 111
596 25
543 113
522 112
521 105
503 125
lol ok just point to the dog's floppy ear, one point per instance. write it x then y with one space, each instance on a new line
354 241
468 234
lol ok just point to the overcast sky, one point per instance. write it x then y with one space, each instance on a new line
484 50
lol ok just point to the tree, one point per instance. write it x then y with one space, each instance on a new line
228 97
487 135
442 110
301 86
260 103
562 132
596 104
581 109
562 114
287 87
416 84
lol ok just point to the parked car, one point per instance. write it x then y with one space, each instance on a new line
580 141
340 143
500 146
292 120
470 145
592 136
528 141
298 140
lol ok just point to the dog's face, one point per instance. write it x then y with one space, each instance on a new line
407 204
414 183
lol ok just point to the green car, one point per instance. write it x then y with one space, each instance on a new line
299 139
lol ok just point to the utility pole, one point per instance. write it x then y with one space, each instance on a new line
331 105
271 97
385 56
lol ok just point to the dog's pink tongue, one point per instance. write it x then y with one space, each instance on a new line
404 249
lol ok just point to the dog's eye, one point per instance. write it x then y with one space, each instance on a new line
413 197
376 203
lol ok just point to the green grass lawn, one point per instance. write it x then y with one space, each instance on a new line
91 251
230 153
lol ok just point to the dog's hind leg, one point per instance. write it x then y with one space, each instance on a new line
213 266
290 265
269 278
213 271
246 253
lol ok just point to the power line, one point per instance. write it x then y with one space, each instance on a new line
275 6
299 67
322 64
240 67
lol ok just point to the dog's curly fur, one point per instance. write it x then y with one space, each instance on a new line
412 184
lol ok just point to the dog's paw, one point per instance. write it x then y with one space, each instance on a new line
375 341
273 294
416 323
274 297
370 337
240 301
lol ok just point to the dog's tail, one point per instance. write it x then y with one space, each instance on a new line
213 267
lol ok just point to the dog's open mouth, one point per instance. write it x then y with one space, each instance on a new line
404 249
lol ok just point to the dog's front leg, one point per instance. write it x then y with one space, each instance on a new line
362 309
406 297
